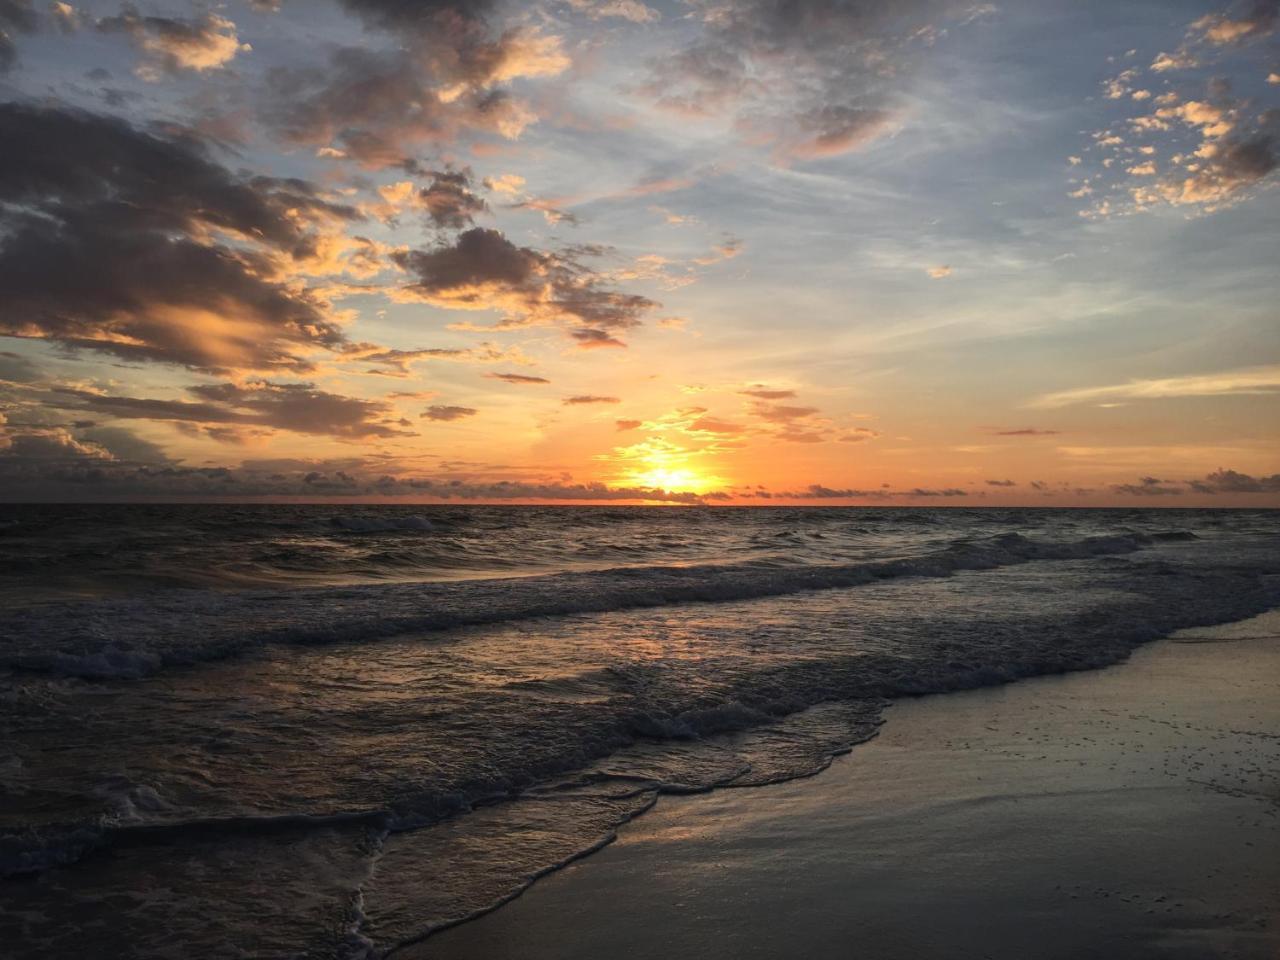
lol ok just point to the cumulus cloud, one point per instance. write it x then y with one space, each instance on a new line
172 44
139 244
483 270
1231 481
1257 20
448 201
1247 381
442 78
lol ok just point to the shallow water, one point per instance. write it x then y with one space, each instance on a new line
212 751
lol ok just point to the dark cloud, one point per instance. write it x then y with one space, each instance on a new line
297 407
1230 481
517 378
483 270
40 446
1147 487
448 200
422 16
139 244
1026 432
1233 165
123 444
441 412
591 339
17 368
817 491
396 363
442 78
53 465
16 16
625 425
587 399
1001 483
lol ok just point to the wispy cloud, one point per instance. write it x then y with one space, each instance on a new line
1250 380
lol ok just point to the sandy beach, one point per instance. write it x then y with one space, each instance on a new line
1127 812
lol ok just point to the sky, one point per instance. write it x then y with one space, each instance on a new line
662 251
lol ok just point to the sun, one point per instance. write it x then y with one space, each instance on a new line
674 480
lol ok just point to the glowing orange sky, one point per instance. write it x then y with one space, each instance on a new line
674 252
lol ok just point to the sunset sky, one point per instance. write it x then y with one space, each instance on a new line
750 251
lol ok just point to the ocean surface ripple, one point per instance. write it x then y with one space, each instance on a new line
329 732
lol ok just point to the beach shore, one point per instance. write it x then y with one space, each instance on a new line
1128 812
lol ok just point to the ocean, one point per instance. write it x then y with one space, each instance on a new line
329 731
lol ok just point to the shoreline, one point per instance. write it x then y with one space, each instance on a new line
1057 816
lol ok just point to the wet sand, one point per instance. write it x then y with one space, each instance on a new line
1130 812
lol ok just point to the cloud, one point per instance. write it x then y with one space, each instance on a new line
171 44
632 10
1259 20
778 413
296 407
1147 487
1026 432
1001 483
483 270
16 16
65 16
859 435
625 425
517 378
761 392
937 273
1247 381
817 491
447 413
1229 167
805 80
52 465
138 244
1230 481
398 363
123 444
55 444
448 200
583 399
442 79
1256 21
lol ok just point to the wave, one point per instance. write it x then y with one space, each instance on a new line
135 637
366 524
